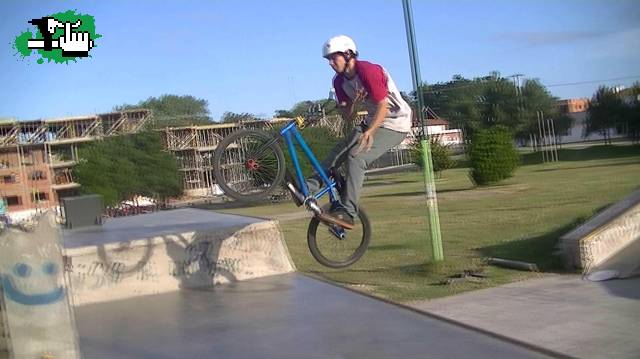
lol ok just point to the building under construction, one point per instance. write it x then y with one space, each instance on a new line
37 157
194 146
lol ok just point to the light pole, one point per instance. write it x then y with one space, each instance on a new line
429 180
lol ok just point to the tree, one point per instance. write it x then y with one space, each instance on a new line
633 122
535 97
232 117
302 108
562 124
122 167
489 101
606 111
283 114
631 112
174 111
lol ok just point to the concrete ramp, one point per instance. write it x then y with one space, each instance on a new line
609 240
625 263
286 316
170 250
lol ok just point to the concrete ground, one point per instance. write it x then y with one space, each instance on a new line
564 313
294 316
284 316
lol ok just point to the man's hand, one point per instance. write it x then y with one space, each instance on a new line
74 42
365 141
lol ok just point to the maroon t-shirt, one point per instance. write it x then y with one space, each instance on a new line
372 78
378 87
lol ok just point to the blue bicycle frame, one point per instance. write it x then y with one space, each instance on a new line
290 133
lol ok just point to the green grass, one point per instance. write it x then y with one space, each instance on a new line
521 218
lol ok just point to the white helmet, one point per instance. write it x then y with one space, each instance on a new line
340 43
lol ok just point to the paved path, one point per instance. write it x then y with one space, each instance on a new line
562 313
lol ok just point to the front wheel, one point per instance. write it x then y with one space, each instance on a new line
248 165
335 247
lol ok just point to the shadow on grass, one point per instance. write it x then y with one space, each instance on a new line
378 183
538 250
406 194
585 154
421 193
441 191
588 166
387 247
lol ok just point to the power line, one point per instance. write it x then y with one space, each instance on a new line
594 81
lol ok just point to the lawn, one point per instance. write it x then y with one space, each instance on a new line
521 218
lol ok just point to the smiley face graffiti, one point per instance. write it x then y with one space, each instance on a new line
23 272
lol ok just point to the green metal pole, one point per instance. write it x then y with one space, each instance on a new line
432 202
429 180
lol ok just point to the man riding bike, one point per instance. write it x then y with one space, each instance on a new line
388 121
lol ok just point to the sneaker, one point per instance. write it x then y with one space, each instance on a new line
342 214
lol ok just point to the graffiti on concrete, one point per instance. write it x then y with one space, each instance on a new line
202 257
23 271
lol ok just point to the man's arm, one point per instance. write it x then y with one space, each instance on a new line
366 140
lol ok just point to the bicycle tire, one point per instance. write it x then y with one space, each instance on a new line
230 167
322 257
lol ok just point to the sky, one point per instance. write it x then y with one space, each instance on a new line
261 56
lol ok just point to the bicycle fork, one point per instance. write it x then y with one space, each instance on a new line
336 227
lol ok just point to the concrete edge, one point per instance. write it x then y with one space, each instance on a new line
596 223
577 243
155 240
431 315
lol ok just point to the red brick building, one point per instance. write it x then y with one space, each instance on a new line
37 157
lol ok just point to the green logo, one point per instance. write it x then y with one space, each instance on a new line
59 38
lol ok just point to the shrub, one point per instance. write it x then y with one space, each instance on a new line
440 156
493 156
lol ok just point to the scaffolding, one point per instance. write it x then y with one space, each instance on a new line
194 147
37 157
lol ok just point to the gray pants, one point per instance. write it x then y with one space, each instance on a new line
343 153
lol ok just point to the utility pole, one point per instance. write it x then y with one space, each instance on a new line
540 130
430 185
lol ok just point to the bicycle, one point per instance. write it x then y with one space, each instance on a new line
249 165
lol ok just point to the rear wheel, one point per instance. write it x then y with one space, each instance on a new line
248 165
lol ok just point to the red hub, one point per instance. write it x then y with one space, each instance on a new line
252 165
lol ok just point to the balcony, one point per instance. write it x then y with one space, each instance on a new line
62 164
62 186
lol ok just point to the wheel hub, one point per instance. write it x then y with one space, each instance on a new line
252 165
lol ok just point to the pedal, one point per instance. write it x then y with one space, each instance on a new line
333 220
338 231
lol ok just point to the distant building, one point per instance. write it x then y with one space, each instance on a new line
573 105
436 127
577 110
